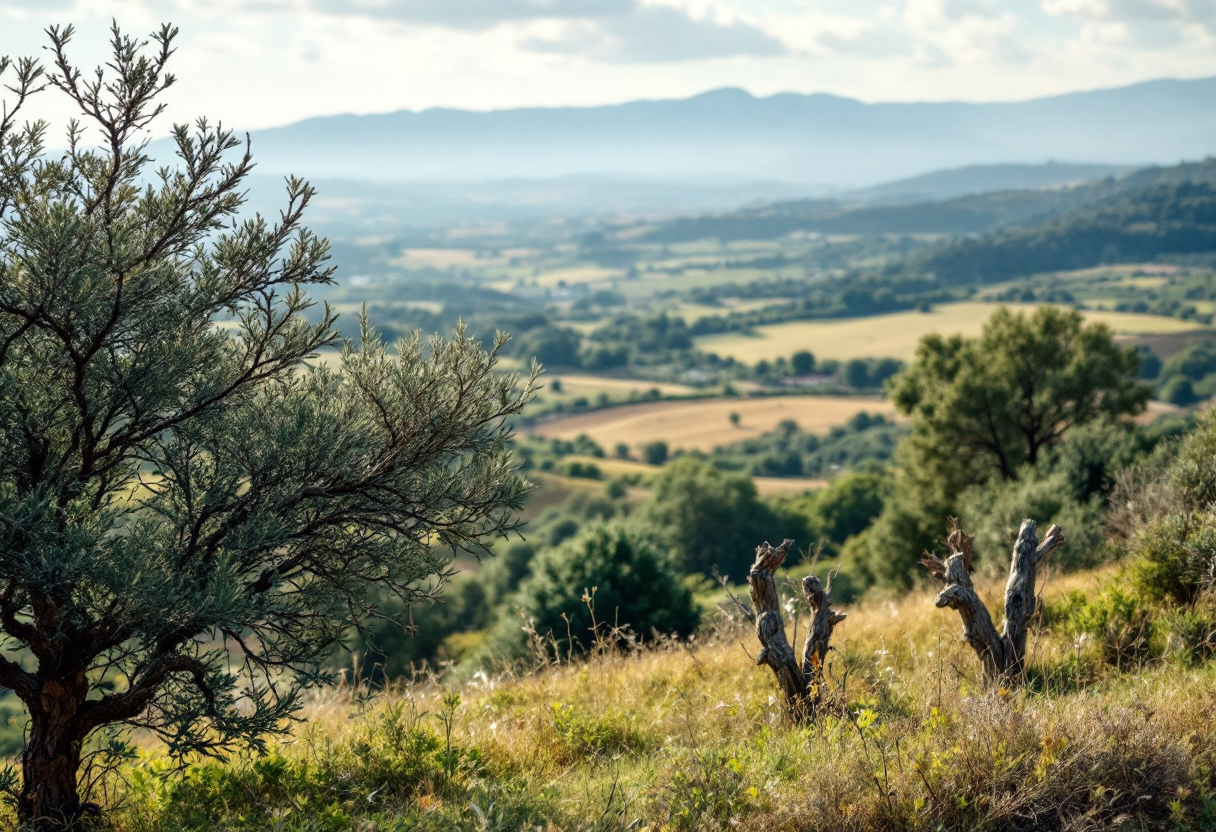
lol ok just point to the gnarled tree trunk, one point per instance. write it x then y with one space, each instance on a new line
1002 655
801 684
50 763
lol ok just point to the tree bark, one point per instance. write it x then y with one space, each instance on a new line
50 763
801 684
819 637
1002 655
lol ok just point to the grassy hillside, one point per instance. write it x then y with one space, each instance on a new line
684 737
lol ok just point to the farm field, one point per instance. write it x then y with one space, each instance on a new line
588 385
765 486
896 335
705 424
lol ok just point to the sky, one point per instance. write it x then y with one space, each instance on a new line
259 63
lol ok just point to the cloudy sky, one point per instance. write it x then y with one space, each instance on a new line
255 63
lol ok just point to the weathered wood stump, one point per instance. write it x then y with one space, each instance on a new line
1002 654
801 684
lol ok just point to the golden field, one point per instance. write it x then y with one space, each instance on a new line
704 424
896 335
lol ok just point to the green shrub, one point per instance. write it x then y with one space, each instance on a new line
654 453
617 570
1121 625
707 517
1174 558
381 765
582 735
847 506
1194 471
708 791
1190 633
994 513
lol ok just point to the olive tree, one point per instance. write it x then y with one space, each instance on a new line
192 513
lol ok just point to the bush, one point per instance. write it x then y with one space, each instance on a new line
847 506
1190 633
584 736
707 517
1174 558
1179 391
384 762
802 361
654 453
1193 473
620 572
994 512
1121 624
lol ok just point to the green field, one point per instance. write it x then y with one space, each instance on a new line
896 335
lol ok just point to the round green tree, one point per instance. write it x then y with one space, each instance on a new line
707 517
624 574
991 408
191 514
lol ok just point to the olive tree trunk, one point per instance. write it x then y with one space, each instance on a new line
801 684
1002 654
50 762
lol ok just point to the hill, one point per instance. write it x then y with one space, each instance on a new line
729 136
1151 214
688 736
980 179
1095 207
971 214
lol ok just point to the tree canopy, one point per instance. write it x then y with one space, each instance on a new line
614 570
191 513
988 410
995 403
708 517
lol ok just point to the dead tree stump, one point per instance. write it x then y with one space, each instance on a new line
1002 654
801 684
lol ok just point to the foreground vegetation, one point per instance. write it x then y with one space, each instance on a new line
689 736
1112 727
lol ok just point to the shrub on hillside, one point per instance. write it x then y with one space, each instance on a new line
610 571
847 506
707 517
1172 528
995 511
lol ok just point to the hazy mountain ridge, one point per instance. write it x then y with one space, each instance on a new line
977 213
728 137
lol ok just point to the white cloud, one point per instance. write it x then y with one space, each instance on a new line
1132 10
471 14
658 34
256 63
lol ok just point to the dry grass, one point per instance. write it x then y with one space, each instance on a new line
897 335
684 737
591 386
705 424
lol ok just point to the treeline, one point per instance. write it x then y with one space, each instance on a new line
972 214
1136 226
865 442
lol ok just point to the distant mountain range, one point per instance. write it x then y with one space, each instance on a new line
727 137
